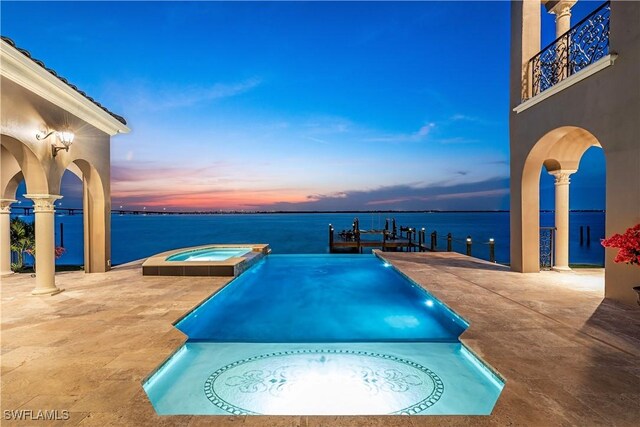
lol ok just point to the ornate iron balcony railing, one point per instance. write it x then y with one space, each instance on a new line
585 43
547 247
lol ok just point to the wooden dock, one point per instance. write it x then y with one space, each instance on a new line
393 238
358 245
387 239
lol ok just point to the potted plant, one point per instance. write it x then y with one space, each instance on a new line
629 245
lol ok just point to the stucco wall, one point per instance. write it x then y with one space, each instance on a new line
607 105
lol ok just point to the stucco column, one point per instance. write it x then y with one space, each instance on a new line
5 236
43 209
561 242
562 10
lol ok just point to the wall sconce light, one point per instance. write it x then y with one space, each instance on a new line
65 137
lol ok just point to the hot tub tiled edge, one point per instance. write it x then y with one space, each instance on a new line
158 265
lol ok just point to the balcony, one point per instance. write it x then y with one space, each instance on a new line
584 44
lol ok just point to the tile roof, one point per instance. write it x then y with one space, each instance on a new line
62 79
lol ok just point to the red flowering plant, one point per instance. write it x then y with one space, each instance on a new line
59 251
628 243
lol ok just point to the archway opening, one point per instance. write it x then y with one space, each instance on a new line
587 208
69 222
20 170
96 215
563 189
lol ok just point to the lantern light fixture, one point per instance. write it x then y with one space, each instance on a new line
64 136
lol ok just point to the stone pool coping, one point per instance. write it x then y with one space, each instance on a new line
158 265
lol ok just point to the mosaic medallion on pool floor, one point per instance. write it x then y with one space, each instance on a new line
323 381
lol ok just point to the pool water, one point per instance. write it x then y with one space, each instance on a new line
323 335
210 254
322 298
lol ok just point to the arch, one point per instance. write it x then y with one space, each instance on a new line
10 188
74 169
96 210
28 162
559 149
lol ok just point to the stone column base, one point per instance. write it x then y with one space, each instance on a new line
49 291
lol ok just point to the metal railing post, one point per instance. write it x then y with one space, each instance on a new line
552 237
469 245
568 56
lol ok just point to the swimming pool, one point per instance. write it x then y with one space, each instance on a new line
209 254
323 335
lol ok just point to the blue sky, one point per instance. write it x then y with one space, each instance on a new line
297 105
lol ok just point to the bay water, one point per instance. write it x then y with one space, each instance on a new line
138 236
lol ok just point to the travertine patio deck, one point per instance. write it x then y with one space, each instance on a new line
568 357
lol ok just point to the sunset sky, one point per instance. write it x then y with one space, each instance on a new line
297 105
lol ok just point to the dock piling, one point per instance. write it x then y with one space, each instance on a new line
492 250
330 238
408 240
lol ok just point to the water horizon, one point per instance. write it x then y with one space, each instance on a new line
135 237
125 211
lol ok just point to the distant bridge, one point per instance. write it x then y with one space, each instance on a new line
28 210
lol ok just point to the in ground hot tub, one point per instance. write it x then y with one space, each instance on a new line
210 254
209 260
